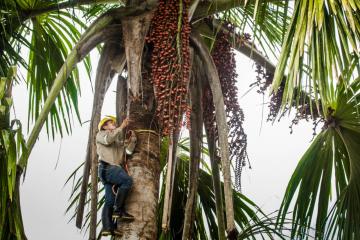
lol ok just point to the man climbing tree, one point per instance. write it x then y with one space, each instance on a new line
112 171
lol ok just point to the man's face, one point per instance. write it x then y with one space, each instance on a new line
109 125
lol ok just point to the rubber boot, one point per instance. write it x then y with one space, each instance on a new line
119 210
108 225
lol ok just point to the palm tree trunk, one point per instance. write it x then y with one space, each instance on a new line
121 99
135 29
144 168
143 165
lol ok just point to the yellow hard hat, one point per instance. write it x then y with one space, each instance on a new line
104 120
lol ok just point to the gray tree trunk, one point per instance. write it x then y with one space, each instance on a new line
144 168
144 164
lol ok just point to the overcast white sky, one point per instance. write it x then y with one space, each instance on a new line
273 154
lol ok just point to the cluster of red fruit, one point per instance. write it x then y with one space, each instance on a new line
169 35
224 59
209 113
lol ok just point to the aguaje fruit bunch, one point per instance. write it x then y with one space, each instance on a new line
224 59
169 37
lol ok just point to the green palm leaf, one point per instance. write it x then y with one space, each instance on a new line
265 20
48 31
323 35
12 143
11 36
331 162
53 36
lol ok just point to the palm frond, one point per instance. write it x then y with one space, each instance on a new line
266 21
331 162
12 143
323 35
48 30
10 29
53 36
91 12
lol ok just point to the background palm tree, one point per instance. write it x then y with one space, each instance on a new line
313 43
330 162
12 143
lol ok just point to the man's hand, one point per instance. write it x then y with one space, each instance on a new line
125 123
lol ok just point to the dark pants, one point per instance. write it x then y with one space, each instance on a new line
112 175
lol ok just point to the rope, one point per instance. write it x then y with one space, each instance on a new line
146 131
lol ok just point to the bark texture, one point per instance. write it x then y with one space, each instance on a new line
143 165
121 99
142 201
134 30
144 168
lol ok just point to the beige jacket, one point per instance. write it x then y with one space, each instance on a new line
110 147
